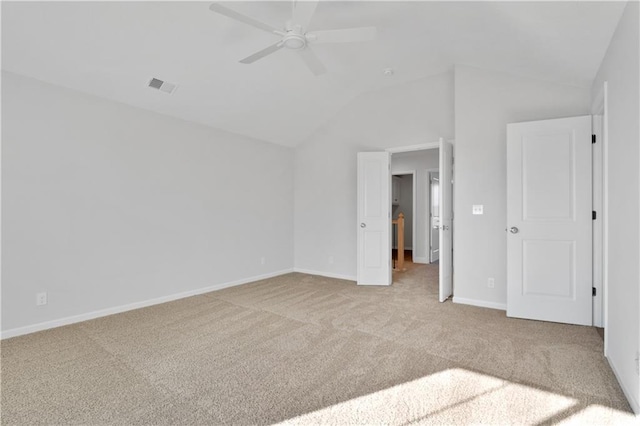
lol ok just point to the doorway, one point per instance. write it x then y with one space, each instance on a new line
411 173
374 223
403 207
434 216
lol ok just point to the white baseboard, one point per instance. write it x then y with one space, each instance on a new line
635 406
424 260
480 303
326 274
131 306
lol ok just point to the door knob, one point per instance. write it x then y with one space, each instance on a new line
514 230
363 225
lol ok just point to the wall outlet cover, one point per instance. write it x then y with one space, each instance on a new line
41 299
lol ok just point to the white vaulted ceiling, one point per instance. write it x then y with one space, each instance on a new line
112 50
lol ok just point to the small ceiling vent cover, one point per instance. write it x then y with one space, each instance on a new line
163 86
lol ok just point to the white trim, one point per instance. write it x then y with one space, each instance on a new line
419 147
605 216
326 274
596 166
603 108
131 306
480 303
423 260
599 107
635 406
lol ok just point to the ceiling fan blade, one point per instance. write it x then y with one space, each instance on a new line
303 12
312 61
347 35
262 53
216 7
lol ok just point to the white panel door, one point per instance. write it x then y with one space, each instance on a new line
549 206
374 218
446 220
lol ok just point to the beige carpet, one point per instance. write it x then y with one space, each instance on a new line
302 349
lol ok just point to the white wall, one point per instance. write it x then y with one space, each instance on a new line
485 101
621 69
325 165
105 204
420 161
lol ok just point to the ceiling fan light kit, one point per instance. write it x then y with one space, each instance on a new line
295 37
294 41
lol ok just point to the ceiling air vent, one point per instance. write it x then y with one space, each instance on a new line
162 86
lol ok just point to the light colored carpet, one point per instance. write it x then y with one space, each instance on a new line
302 349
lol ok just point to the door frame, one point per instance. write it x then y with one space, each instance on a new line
599 108
418 147
423 147
413 203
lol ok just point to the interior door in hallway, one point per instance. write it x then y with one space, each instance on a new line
374 218
446 221
549 215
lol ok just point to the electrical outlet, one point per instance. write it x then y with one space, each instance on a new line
263 261
638 363
330 260
41 299
477 209
491 282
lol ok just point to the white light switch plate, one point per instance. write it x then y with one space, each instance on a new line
477 209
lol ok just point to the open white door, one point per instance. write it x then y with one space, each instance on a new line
549 220
374 218
446 220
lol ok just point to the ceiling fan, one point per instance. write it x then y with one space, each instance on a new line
294 36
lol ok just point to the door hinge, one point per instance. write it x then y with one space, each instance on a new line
593 215
593 138
593 291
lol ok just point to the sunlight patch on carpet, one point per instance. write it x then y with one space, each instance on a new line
457 396
600 415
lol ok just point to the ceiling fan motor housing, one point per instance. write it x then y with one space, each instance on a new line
294 37
294 40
